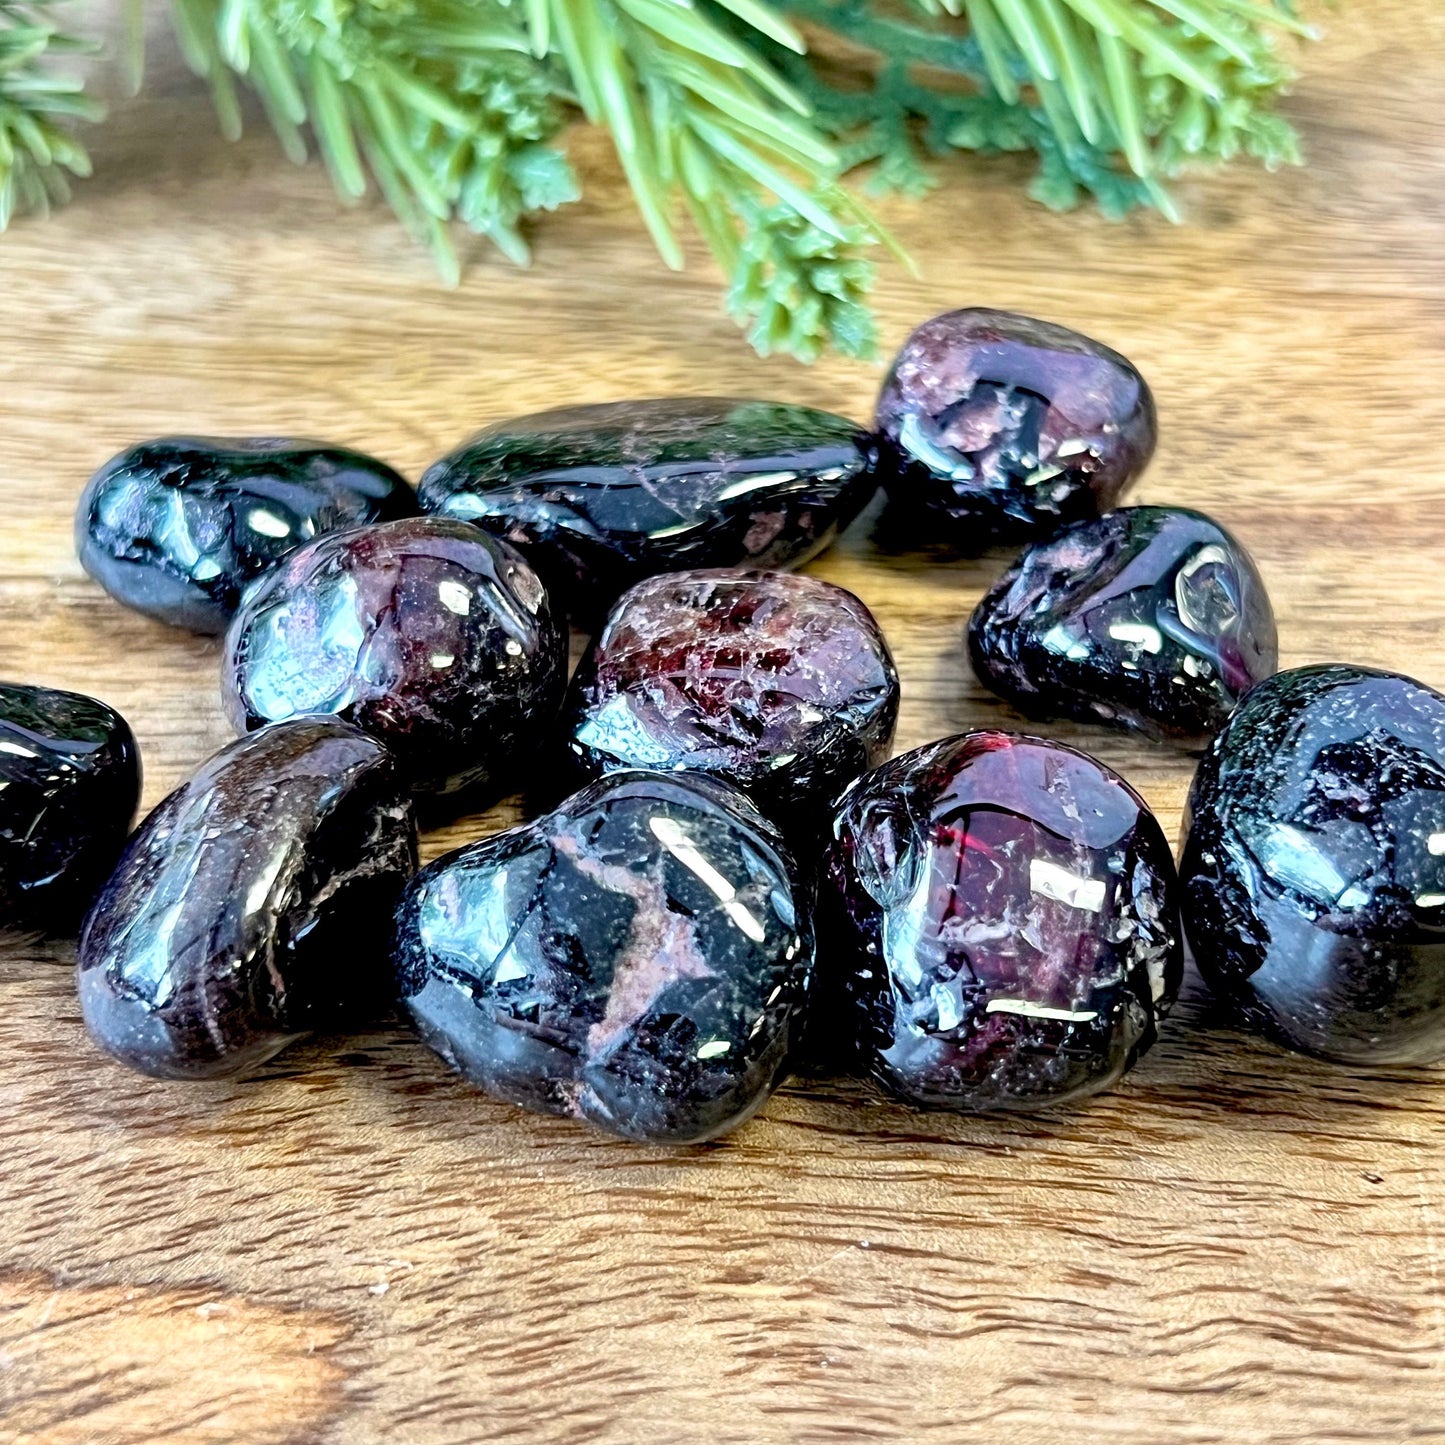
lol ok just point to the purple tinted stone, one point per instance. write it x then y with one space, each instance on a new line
1314 864
1148 618
70 777
599 497
253 905
638 959
425 632
997 926
779 684
996 427
176 527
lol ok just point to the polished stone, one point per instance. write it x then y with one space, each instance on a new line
426 633
996 427
599 497
777 683
178 526
637 959
1152 619
1314 864
997 926
70 777
252 906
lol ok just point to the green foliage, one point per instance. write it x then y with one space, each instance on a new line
440 102
37 108
798 289
1112 96
718 110
698 117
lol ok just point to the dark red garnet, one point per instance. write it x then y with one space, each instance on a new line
252 906
599 497
178 526
1314 864
997 926
997 427
638 958
1149 618
426 633
70 777
777 683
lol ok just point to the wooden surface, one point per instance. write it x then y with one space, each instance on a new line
1236 1245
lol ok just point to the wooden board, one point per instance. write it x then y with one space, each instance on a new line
1235 1245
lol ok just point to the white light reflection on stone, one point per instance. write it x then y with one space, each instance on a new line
1086 894
1040 1011
268 524
667 832
455 598
1141 634
753 483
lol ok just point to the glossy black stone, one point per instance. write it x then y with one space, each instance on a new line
425 632
997 926
599 497
252 906
1152 619
178 526
996 427
1314 864
70 777
779 684
638 959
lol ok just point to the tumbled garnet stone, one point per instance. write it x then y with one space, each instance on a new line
997 926
1314 864
997 427
70 777
638 959
779 684
176 527
599 497
1149 618
425 632
253 905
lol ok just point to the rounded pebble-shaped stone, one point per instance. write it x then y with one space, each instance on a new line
1152 619
425 632
1314 864
253 905
70 778
996 427
997 926
176 527
599 497
638 959
777 683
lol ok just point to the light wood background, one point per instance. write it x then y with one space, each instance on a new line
1236 1245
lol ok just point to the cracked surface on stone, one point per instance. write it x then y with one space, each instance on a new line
1314 864
252 906
638 959
997 926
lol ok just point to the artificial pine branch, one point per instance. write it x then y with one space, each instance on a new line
718 109
697 115
37 107
1111 112
442 102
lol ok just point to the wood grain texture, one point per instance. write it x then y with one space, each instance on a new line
1236 1245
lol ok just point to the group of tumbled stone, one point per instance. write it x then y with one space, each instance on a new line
734 880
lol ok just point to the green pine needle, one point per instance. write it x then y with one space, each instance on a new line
38 107
796 289
719 112
1113 96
